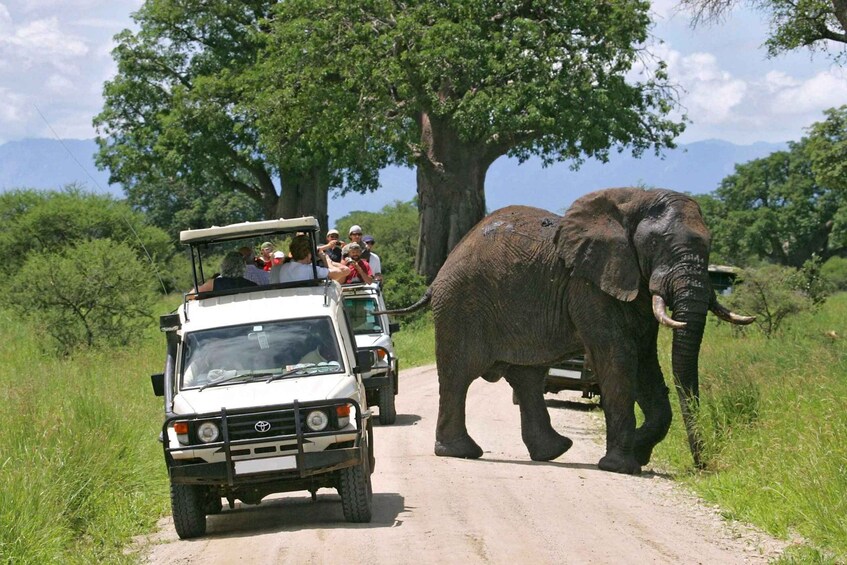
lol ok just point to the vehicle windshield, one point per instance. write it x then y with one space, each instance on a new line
360 309
266 351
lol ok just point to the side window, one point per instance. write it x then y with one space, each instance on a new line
360 312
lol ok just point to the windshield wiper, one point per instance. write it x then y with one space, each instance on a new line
226 380
288 373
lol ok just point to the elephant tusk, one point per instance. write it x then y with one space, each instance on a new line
662 316
728 316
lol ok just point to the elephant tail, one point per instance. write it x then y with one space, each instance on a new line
425 299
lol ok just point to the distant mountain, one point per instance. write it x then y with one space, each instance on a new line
694 167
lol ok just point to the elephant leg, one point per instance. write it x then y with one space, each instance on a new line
654 402
615 366
451 433
542 441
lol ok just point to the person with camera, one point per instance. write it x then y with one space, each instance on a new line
360 270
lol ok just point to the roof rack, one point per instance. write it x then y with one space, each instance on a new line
249 229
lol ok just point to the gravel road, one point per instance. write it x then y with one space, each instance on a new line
503 508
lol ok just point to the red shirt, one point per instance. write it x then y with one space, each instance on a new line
354 274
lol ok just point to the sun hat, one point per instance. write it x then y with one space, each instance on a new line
355 229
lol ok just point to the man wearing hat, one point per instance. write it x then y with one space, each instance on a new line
333 246
360 271
372 258
266 258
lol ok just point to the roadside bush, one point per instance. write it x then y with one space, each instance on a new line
771 294
835 271
96 292
35 223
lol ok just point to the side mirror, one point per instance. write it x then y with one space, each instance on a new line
158 382
394 327
364 360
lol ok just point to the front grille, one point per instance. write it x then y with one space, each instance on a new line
281 423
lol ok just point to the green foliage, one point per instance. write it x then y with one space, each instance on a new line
787 207
465 65
771 294
171 129
835 272
395 230
36 224
82 470
93 293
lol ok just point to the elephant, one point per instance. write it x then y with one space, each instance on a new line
526 288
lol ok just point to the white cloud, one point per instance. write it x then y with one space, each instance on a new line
826 89
59 84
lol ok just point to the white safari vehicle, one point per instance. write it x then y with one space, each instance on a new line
262 389
374 332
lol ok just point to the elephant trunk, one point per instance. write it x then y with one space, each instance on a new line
690 304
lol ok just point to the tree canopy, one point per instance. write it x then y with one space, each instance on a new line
450 86
176 132
793 23
789 206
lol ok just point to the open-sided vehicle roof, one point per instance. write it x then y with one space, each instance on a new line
248 229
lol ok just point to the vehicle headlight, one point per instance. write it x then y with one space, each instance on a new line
317 420
208 432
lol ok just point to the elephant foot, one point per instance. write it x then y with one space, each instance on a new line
463 447
549 450
619 464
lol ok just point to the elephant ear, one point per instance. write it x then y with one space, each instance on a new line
594 241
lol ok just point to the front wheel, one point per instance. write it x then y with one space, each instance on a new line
188 503
387 408
354 486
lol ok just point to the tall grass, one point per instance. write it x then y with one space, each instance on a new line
774 423
81 469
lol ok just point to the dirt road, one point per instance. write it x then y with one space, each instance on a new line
503 508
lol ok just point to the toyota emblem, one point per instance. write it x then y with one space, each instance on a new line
262 426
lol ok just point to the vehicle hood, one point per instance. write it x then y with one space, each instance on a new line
373 340
251 395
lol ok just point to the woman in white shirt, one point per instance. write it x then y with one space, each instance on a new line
298 267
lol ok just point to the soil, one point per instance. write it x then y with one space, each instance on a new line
502 508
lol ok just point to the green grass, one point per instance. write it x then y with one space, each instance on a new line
774 422
415 343
81 468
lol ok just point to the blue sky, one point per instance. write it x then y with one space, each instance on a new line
55 56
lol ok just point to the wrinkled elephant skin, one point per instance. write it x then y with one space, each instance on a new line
527 288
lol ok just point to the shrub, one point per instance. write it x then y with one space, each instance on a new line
96 292
835 271
771 294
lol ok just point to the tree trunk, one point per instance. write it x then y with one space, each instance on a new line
451 192
304 194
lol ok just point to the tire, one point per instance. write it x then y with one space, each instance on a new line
188 503
354 486
387 408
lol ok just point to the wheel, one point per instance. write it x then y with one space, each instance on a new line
387 409
188 503
354 486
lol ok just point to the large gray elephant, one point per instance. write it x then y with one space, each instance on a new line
526 288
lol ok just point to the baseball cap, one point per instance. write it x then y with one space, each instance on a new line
333 231
355 229
368 239
352 245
